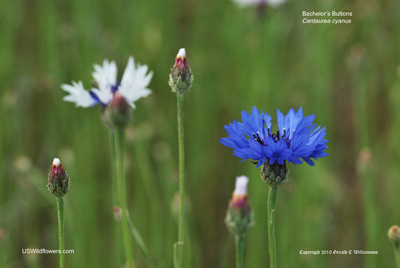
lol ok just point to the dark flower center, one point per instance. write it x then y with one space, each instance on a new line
114 88
275 136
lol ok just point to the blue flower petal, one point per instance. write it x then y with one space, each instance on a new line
299 139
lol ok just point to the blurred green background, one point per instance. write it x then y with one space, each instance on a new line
348 75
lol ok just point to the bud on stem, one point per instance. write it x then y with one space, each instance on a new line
117 113
394 236
58 180
239 217
181 78
274 174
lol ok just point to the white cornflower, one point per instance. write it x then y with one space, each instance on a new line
259 3
132 87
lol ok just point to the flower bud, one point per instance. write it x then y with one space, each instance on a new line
58 179
181 78
394 235
117 113
274 174
239 217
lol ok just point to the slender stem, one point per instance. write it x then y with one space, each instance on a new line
178 256
271 225
116 190
121 185
117 227
113 167
396 247
60 213
142 245
239 239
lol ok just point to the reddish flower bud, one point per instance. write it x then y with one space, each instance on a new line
58 184
117 113
180 79
239 217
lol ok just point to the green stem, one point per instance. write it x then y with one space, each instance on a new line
178 256
121 186
113 167
271 225
117 227
396 247
60 213
141 243
239 239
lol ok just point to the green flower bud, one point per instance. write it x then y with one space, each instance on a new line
239 217
274 174
181 78
58 184
117 113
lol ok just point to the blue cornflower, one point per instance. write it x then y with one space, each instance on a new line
296 140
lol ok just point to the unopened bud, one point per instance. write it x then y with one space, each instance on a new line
181 78
239 217
394 235
274 174
117 113
58 184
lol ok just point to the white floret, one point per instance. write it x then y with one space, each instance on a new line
241 185
181 53
56 162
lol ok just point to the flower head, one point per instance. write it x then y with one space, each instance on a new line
58 183
239 217
132 87
296 140
180 79
394 234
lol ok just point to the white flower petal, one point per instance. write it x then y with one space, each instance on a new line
135 81
56 162
135 95
106 77
129 71
248 2
78 95
181 53
241 185
105 96
259 2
